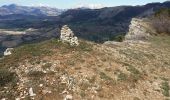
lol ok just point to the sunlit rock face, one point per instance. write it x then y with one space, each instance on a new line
139 29
67 35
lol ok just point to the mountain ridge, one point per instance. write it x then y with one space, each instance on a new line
100 24
29 10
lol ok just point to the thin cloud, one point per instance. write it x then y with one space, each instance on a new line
91 6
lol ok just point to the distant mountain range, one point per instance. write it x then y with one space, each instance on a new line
25 10
103 24
97 25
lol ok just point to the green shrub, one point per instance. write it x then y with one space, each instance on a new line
122 76
6 77
47 65
135 74
36 74
161 18
165 88
82 94
118 38
104 76
133 70
85 46
163 11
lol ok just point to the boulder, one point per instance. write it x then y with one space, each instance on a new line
31 93
8 51
67 35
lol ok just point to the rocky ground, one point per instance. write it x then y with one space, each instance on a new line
52 70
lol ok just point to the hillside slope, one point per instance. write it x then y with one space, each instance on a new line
52 70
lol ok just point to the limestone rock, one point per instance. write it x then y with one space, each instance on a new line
8 51
139 29
68 97
31 93
67 35
17 99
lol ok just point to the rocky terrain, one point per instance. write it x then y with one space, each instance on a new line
140 29
53 69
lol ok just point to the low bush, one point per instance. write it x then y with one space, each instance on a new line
122 76
36 74
161 21
118 38
165 88
7 77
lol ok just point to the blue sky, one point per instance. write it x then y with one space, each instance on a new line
77 3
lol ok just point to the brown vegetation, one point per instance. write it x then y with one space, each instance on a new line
161 21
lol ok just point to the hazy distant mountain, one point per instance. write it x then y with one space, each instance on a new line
92 24
26 10
119 13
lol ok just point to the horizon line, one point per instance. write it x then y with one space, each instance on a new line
75 7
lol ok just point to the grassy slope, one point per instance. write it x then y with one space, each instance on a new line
89 71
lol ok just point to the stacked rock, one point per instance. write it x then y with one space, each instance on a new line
67 35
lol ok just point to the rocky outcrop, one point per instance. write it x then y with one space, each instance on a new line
67 35
139 29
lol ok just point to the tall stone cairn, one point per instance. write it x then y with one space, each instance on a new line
67 35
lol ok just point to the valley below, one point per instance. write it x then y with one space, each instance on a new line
10 38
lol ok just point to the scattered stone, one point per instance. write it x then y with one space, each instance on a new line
8 51
65 92
68 97
31 93
41 85
17 99
112 43
44 71
46 91
67 35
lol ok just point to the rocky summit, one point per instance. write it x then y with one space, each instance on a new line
67 35
51 63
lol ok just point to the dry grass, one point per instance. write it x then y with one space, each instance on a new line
95 70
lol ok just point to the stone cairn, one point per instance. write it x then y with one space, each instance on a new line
67 35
